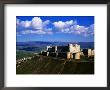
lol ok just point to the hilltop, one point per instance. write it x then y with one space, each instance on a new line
50 65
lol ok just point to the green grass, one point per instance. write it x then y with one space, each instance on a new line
49 65
22 54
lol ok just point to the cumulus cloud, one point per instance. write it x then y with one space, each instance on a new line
80 29
73 28
59 24
63 25
36 25
25 24
86 31
69 23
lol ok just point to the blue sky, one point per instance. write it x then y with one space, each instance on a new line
55 28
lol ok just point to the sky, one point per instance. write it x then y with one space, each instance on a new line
55 28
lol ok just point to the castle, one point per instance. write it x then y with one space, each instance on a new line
71 51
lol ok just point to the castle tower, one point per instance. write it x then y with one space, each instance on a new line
55 48
74 48
92 52
89 52
48 47
70 47
77 55
68 55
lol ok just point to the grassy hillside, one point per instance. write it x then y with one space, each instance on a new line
50 65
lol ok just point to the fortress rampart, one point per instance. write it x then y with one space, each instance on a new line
72 51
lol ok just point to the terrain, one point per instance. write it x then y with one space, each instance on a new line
39 64
50 65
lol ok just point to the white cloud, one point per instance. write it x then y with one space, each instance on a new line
26 32
63 25
36 23
85 31
35 32
66 30
73 28
25 24
91 28
59 24
38 32
45 23
17 21
38 26
77 32
69 23
81 29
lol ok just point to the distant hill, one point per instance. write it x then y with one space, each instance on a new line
44 44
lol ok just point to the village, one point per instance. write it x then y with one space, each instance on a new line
72 51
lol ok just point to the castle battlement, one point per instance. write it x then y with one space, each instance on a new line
69 51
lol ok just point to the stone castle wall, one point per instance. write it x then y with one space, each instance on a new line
72 51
